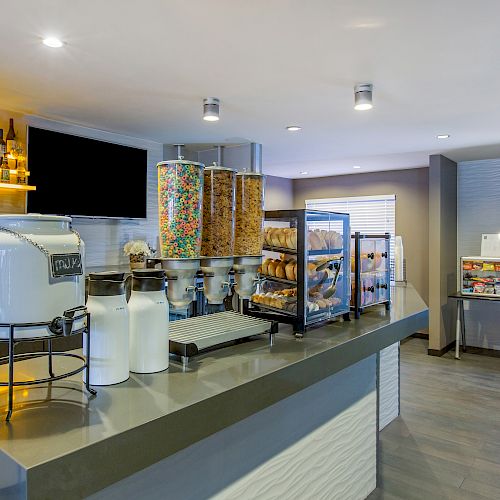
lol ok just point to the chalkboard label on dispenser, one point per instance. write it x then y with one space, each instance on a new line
66 264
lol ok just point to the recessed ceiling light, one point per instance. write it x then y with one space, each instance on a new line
356 166
363 93
443 136
293 128
211 109
53 42
304 173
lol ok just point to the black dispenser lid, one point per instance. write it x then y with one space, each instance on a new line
148 280
107 276
106 284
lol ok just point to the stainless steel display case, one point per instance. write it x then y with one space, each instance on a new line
370 271
305 275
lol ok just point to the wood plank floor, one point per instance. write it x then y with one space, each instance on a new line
446 443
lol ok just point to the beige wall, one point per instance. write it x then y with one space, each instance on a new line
279 193
411 188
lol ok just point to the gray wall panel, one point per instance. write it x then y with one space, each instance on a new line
479 213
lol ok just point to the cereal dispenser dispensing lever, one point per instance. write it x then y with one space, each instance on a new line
180 195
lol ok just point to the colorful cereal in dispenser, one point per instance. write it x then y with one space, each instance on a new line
180 195
249 225
218 212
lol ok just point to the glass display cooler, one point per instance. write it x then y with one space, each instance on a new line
370 270
480 276
304 276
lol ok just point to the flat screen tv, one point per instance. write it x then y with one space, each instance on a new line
84 177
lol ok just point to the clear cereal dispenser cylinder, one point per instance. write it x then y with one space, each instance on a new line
248 233
180 196
218 211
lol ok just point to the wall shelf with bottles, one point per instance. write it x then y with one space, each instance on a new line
19 187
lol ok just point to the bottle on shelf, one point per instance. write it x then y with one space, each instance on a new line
10 138
21 172
3 146
5 173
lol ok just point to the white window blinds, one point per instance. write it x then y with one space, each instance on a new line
368 214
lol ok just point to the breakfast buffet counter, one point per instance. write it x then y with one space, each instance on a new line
233 421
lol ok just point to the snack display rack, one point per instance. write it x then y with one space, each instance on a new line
480 276
370 270
304 277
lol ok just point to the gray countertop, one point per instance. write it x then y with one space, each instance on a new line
57 433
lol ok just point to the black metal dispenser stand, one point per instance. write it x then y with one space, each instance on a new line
58 326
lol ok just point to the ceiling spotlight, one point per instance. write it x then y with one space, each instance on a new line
443 136
211 109
363 96
356 166
304 173
53 42
293 128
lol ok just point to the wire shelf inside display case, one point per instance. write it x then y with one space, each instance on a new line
289 251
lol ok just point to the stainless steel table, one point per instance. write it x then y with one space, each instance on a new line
460 323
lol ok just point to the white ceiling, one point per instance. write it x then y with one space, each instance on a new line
143 67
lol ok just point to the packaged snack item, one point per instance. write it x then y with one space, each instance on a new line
467 265
488 266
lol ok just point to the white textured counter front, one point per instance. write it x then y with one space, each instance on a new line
319 443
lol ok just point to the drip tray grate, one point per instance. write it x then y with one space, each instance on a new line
190 336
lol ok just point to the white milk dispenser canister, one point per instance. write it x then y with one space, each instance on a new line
148 309
109 329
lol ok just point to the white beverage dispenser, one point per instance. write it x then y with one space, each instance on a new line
109 328
148 309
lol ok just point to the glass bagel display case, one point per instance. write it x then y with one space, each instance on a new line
370 270
305 276
480 276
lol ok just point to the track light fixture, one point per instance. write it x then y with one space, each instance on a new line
211 109
363 96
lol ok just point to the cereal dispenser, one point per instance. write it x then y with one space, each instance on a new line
248 231
249 224
180 195
217 246
218 211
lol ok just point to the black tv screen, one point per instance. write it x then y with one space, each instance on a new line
85 177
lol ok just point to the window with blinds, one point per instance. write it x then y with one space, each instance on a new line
368 214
